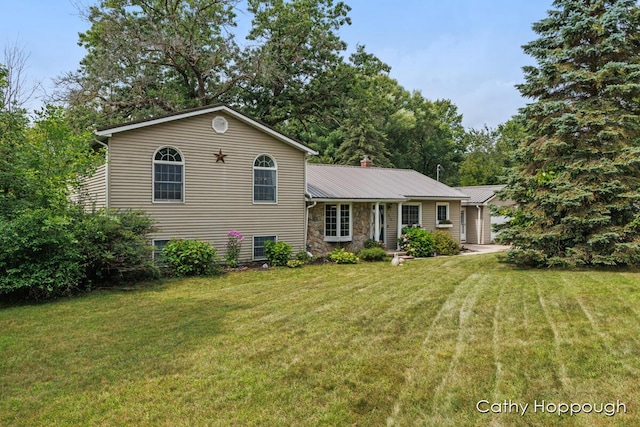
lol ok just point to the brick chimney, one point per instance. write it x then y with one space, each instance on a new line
366 162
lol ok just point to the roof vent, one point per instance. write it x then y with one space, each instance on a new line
220 124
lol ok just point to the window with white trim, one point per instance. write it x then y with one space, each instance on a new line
158 246
337 222
168 175
265 180
258 246
442 213
411 214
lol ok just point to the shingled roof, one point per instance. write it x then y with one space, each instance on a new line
480 194
333 182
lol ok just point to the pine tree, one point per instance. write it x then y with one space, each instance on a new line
577 176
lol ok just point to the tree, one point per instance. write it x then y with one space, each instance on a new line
14 91
489 153
151 57
424 134
576 181
294 78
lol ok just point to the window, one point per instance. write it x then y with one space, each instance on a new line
158 246
168 175
337 223
258 245
442 213
411 215
264 180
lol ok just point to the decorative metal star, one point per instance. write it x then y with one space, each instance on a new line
220 156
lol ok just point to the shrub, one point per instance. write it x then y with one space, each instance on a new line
278 253
234 243
370 243
417 242
444 243
40 255
304 257
115 245
190 258
295 263
340 256
372 254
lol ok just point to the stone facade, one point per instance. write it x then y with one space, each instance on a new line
361 213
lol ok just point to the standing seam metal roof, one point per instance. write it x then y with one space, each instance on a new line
353 182
480 194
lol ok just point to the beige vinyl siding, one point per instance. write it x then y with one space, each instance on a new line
218 197
93 191
429 217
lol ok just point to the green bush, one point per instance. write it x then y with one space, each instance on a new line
295 263
190 258
372 254
115 245
444 243
370 243
40 255
417 242
278 253
304 257
340 256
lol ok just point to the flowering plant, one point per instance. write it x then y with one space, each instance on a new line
234 240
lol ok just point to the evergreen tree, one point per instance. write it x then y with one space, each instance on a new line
576 182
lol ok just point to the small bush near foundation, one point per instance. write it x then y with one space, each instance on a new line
304 257
372 254
340 256
278 253
444 243
190 258
417 242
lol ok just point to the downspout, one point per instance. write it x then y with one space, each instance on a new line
479 225
306 224
106 173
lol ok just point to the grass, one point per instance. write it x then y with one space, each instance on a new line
366 345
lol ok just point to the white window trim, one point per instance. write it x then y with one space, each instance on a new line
253 180
419 205
348 238
446 204
253 245
153 175
153 243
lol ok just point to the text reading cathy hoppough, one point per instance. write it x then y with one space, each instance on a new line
608 409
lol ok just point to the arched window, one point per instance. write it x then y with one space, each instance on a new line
265 180
168 175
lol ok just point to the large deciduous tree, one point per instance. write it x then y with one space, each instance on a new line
578 174
151 57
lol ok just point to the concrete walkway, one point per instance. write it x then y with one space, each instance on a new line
482 249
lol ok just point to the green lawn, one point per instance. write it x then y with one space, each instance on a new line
336 345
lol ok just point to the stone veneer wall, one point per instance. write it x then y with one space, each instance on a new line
361 213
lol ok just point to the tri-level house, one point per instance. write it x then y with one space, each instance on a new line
203 172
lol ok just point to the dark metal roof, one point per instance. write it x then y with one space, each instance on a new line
335 182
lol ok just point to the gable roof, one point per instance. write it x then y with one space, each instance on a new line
333 182
480 194
107 132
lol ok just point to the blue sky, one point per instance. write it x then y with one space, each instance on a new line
468 51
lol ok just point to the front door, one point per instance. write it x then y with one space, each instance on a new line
382 235
463 225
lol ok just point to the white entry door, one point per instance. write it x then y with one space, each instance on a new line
463 225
